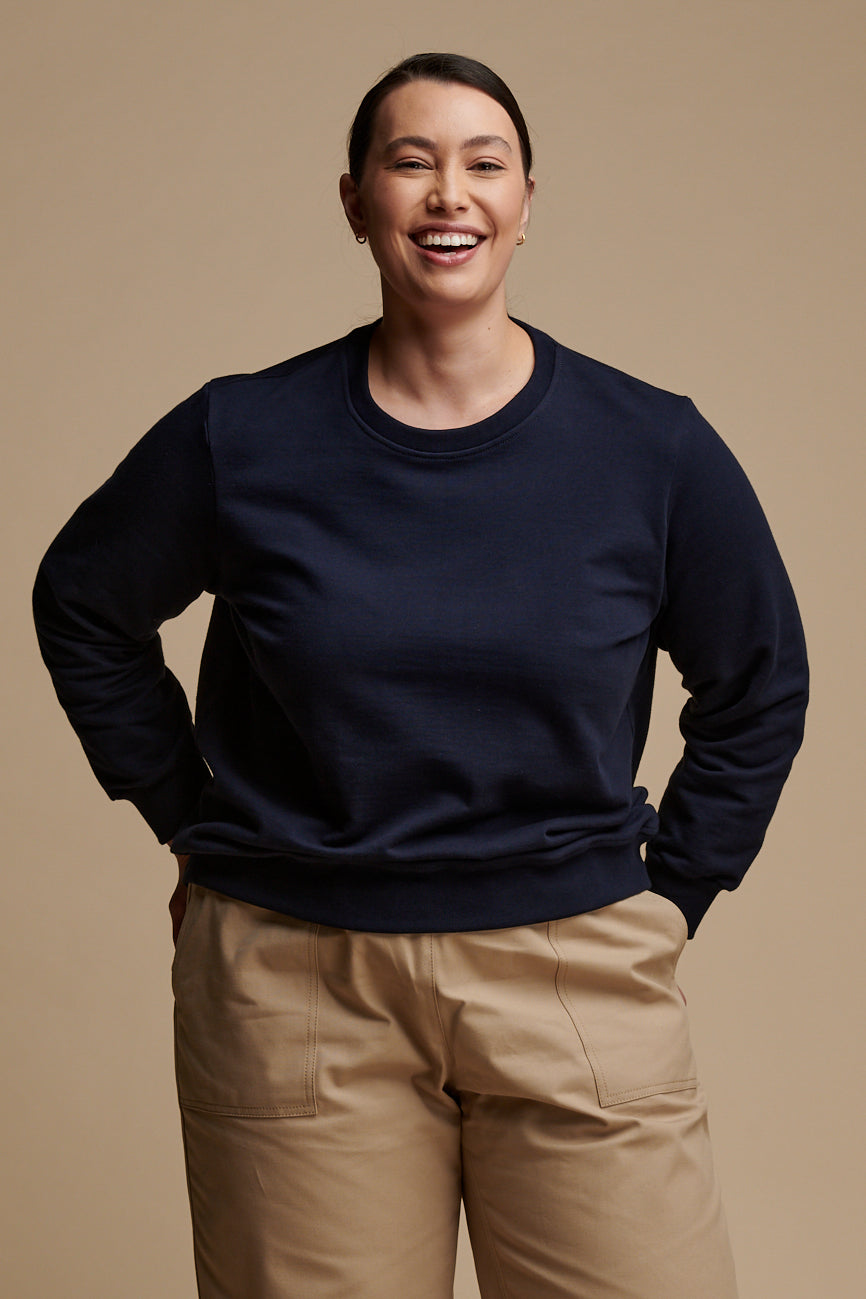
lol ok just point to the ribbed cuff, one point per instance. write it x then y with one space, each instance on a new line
166 805
692 896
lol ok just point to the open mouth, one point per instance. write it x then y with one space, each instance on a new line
443 242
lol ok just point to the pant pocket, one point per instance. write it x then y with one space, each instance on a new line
246 990
616 978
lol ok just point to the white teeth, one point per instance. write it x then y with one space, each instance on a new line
455 240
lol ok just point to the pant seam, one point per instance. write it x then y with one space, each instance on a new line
190 1198
436 1007
312 1019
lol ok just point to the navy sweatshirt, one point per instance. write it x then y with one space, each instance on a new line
427 679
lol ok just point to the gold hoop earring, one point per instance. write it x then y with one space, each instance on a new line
521 240
361 239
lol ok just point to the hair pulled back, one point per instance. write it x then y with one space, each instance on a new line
449 68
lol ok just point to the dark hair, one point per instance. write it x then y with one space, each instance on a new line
449 68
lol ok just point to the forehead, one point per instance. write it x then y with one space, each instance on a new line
443 111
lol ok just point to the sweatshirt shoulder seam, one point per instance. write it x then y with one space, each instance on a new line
282 369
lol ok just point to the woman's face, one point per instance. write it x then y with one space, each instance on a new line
444 166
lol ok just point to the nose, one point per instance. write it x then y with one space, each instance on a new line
448 190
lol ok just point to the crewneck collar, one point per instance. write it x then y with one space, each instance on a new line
471 437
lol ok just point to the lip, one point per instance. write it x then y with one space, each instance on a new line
446 228
437 257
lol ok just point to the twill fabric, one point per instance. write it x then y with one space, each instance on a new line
341 1091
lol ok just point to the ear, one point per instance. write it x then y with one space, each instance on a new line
350 197
527 203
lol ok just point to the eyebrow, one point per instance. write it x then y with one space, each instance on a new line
421 142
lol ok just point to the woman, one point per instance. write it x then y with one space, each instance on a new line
431 927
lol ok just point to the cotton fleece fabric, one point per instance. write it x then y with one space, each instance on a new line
426 684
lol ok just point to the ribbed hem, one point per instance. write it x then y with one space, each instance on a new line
445 897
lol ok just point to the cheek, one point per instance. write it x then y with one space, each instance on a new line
387 220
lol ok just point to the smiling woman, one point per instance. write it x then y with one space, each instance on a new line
428 927
443 197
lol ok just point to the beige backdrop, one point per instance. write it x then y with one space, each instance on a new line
699 221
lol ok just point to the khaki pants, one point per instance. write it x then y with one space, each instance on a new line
340 1091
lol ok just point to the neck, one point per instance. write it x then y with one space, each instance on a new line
447 368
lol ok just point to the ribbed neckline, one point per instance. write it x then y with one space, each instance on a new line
433 442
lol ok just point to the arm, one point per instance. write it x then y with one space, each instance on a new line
137 552
730 624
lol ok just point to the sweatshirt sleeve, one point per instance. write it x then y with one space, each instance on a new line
136 552
729 621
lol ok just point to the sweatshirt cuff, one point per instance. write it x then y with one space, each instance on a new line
692 896
166 805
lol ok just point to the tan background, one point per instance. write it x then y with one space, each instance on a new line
700 222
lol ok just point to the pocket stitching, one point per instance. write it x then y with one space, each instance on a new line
606 1096
561 985
286 1110
248 1111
